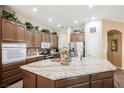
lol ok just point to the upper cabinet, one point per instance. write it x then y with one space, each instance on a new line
37 39
45 37
20 32
77 37
53 41
8 30
30 38
12 31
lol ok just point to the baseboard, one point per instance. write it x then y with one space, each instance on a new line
119 67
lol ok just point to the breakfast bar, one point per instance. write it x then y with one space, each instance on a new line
88 73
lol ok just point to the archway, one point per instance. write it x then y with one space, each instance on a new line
114 49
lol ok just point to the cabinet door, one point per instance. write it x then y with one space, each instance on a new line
20 32
37 39
47 37
51 41
43 37
0 79
80 37
30 38
55 42
8 30
97 84
73 38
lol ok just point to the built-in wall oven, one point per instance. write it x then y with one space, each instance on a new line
13 52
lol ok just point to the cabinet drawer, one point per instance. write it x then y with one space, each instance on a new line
40 58
83 85
109 83
102 75
97 84
11 66
11 73
31 60
12 79
72 81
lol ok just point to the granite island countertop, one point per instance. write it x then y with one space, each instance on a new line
56 71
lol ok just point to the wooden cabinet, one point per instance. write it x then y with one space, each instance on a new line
34 59
8 30
20 32
77 37
45 37
55 41
0 79
102 80
56 55
37 40
52 41
12 72
30 38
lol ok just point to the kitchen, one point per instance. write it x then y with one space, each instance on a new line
69 56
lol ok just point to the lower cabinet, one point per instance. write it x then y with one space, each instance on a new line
56 55
35 59
12 73
0 79
102 80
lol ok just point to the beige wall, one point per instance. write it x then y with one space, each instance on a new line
115 56
108 25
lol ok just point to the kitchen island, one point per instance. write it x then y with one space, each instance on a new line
88 73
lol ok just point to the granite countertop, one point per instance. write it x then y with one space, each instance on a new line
33 56
55 71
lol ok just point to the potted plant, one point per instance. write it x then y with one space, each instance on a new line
9 16
45 31
29 25
54 33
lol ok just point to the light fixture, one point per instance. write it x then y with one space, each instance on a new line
58 25
92 18
34 9
75 21
91 5
50 19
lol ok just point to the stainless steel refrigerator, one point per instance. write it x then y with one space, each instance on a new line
77 49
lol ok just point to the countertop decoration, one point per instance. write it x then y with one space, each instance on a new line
65 56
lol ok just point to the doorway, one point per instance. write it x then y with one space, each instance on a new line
114 49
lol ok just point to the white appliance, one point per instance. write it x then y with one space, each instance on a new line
45 45
13 53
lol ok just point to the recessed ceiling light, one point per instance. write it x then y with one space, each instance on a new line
92 18
50 19
58 25
34 9
91 5
75 21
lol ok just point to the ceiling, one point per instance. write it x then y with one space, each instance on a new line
65 15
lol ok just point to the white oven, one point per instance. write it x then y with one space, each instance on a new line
13 53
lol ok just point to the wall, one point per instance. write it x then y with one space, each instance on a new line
93 45
108 25
115 56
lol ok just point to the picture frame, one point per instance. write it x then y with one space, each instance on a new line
114 45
